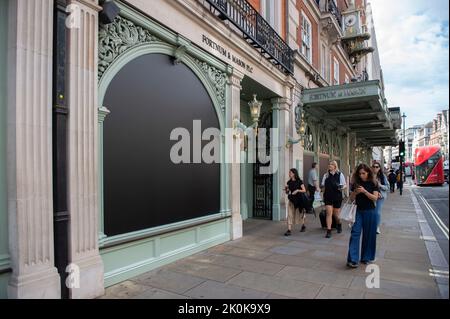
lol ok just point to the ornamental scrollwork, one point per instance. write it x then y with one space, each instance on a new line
217 78
337 149
324 141
118 37
309 144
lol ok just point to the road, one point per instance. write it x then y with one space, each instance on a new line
434 203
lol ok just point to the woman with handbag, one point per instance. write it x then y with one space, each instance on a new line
295 189
384 187
365 192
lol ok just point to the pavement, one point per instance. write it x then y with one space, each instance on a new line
266 265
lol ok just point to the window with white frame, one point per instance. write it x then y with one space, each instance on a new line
306 38
336 72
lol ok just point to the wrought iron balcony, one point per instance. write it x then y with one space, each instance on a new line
256 30
334 10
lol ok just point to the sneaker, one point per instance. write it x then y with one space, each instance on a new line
369 262
328 235
378 231
288 233
339 228
352 265
303 229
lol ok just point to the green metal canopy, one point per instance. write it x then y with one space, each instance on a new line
358 107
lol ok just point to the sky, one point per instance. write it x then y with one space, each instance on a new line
413 44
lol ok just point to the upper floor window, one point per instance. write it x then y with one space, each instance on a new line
272 12
336 72
306 38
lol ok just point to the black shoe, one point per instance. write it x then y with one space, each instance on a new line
352 265
339 228
288 233
303 229
328 234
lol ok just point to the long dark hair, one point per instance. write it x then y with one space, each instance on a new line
295 172
380 175
356 179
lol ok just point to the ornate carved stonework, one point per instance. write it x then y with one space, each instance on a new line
217 78
118 37
122 35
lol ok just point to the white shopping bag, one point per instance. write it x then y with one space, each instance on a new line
317 197
348 212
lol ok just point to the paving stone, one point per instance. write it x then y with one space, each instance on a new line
170 280
369 295
276 296
154 293
248 253
277 285
316 276
339 293
300 261
287 250
246 264
125 290
217 290
397 289
208 271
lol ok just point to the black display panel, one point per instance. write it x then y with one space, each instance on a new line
143 188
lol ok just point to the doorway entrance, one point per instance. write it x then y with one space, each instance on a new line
263 183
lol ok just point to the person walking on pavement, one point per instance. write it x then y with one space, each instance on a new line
383 185
399 181
313 183
333 183
365 192
392 180
296 214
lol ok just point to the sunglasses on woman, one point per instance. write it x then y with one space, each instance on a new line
375 166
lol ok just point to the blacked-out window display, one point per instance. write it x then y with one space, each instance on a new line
149 98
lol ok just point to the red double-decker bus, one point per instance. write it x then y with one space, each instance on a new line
429 166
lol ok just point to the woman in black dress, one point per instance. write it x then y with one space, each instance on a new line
294 190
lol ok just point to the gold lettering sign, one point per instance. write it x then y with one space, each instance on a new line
227 54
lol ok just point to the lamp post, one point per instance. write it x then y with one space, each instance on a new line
404 154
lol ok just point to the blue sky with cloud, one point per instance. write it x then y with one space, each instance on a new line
413 44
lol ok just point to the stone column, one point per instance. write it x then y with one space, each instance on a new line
29 149
281 107
103 112
234 111
84 151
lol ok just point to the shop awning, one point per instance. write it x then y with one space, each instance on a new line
359 107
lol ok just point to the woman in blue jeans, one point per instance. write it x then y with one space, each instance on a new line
365 192
383 184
